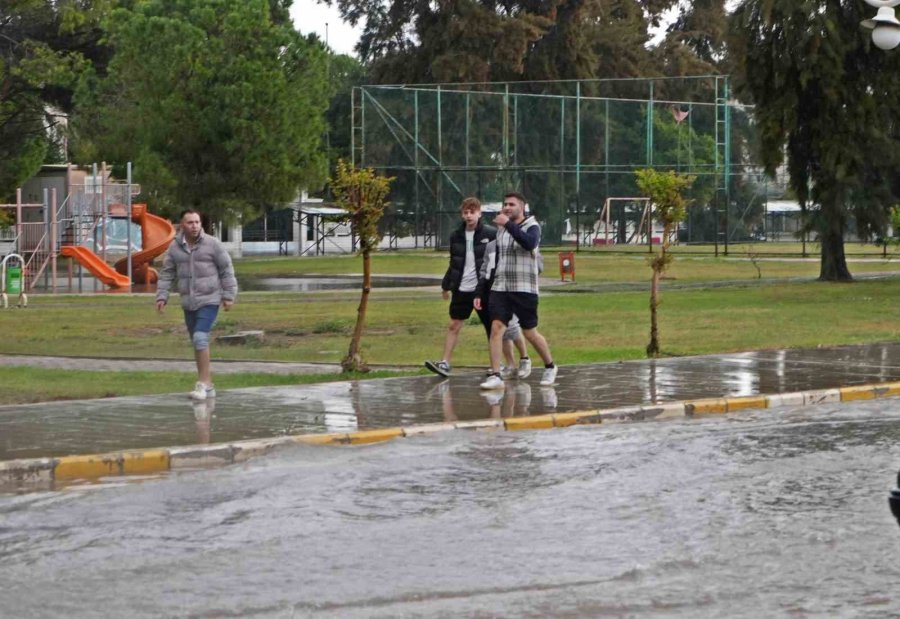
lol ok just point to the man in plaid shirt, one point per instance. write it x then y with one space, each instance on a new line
515 287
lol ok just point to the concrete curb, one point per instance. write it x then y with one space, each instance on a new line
45 472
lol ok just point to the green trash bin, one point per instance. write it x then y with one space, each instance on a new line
14 280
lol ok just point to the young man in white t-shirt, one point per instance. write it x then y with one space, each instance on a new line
467 247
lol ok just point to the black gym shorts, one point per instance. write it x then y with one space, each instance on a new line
503 305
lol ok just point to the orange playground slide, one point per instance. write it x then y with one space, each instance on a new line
156 234
96 265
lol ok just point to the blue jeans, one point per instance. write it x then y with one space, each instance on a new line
199 323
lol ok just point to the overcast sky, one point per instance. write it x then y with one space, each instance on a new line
310 16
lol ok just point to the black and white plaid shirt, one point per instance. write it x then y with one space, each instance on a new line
517 250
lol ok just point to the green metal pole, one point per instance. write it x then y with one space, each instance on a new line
440 156
562 164
578 139
416 164
650 128
506 133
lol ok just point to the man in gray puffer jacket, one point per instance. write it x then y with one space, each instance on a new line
205 280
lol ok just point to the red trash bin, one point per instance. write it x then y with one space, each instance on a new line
566 265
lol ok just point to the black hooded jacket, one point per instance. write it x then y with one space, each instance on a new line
483 235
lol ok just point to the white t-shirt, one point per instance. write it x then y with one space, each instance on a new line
469 277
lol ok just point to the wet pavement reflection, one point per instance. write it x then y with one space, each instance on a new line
95 426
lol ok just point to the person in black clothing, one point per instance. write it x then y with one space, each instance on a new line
467 245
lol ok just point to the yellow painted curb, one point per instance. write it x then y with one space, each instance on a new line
859 392
141 463
705 406
885 390
374 436
335 438
86 467
736 404
564 420
480 424
533 422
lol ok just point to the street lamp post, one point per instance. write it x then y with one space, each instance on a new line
885 26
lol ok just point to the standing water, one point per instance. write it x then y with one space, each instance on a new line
757 514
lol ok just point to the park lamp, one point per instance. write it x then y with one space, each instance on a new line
885 26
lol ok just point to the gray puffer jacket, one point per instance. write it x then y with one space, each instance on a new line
204 272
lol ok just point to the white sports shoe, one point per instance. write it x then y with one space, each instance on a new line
549 376
202 391
524 368
493 382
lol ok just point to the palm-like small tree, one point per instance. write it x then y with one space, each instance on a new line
667 206
363 194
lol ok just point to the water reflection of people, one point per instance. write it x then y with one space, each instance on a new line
513 402
443 388
548 397
203 414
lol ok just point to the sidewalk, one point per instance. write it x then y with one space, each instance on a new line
165 365
97 426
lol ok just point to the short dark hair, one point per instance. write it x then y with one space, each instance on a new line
190 211
517 196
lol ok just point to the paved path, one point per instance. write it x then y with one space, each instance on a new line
97 426
166 365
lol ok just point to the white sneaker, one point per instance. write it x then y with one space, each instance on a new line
548 395
493 382
524 368
507 372
549 376
202 391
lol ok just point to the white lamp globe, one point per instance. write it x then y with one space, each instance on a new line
886 36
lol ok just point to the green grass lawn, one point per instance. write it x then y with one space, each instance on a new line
406 326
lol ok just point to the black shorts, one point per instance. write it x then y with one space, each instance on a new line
503 305
461 306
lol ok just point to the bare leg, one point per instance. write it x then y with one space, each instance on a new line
540 344
520 345
508 353
497 331
204 373
453 329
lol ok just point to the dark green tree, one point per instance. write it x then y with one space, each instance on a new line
219 104
825 104
44 46
483 40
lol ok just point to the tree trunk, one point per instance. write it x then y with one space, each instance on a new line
653 346
353 362
833 267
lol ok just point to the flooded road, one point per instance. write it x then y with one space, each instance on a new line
754 514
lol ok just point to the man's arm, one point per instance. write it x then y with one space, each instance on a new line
528 239
226 276
164 282
486 275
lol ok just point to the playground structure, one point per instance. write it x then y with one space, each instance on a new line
633 224
76 231
568 145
